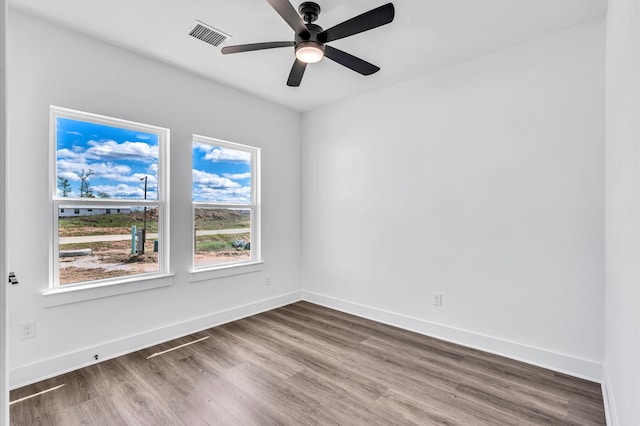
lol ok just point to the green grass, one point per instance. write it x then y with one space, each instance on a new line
217 242
115 220
213 219
81 225
212 246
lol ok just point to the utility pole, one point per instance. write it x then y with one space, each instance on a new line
144 227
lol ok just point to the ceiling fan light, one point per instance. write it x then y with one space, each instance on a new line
309 52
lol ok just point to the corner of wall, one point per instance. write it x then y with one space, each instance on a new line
608 398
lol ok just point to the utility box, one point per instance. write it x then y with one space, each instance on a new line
140 242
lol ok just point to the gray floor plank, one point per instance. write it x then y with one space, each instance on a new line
305 364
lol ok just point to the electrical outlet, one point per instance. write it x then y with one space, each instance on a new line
267 280
27 330
437 298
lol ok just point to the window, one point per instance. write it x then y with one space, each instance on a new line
100 165
225 195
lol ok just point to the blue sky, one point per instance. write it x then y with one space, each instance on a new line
119 158
221 174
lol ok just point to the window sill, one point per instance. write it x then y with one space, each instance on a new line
63 296
225 271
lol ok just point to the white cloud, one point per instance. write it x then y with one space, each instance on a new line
112 171
121 191
212 180
67 153
105 150
237 176
139 177
202 146
143 137
71 176
71 166
223 195
71 132
216 153
211 187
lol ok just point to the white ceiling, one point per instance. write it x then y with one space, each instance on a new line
426 35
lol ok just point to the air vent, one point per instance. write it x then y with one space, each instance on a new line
208 34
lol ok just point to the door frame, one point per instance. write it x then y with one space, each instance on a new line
4 380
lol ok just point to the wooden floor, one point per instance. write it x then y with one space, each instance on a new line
303 364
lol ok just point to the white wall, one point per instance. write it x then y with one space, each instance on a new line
4 396
622 348
50 65
485 182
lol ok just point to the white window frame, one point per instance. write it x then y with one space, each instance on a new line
205 272
143 279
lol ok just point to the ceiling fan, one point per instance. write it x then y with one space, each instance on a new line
310 39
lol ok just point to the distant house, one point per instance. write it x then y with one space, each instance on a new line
83 211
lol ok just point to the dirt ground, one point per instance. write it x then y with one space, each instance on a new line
117 261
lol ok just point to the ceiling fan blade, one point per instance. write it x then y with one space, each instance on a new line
256 46
350 61
290 15
297 71
367 21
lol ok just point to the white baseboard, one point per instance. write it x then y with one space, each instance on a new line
562 363
607 396
26 374
30 373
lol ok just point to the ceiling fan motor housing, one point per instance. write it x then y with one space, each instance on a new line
309 11
314 30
